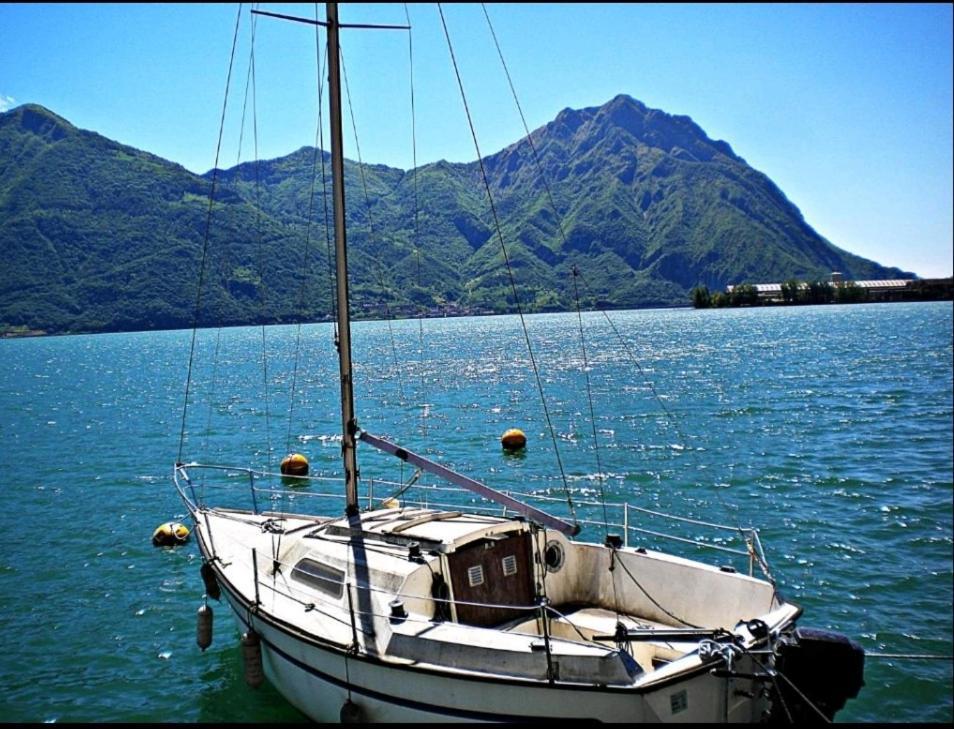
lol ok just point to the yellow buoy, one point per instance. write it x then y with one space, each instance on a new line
170 534
293 466
513 440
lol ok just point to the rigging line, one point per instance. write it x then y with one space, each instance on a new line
238 160
503 248
261 262
559 219
371 233
526 128
659 401
276 545
635 361
774 673
320 143
596 444
248 82
411 481
205 242
215 369
589 397
303 284
651 598
417 223
307 250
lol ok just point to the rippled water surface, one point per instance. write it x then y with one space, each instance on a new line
829 428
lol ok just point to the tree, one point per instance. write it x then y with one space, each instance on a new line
701 299
849 292
820 292
720 299
745 295
790 290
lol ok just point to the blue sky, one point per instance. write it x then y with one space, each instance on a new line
848 108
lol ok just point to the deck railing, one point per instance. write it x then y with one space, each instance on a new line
271 489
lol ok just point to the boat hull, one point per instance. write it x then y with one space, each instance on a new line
319 679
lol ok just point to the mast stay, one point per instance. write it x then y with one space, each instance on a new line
349 426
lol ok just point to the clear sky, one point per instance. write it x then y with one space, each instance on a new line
847 108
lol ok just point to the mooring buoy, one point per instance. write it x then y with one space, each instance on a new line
294 464
513 440
170 534
293 467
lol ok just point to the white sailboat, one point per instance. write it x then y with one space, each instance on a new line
400 612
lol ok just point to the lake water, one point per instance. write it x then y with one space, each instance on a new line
829 428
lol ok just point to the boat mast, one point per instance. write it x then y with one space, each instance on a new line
348 424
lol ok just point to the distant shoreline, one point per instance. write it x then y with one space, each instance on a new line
793 304
824 293
36 333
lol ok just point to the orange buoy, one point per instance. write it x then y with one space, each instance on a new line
294 464
513 440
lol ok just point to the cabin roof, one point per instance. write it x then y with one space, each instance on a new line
433 529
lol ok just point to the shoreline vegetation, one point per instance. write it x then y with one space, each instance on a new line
8 331
801 293
790 293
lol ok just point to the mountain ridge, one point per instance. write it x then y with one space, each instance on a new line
101 236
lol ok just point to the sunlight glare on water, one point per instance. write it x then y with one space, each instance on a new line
829 428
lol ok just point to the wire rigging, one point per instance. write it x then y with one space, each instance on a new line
306 257
417 220
320 144
503 248
263 298
372 236
238 161
562 232
205 241
669 415
589 397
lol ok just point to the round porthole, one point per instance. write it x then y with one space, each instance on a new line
553 556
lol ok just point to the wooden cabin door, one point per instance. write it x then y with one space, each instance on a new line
495 571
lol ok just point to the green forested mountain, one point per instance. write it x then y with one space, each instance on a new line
97 236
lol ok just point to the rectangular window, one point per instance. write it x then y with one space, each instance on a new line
475 575
328 580
509 565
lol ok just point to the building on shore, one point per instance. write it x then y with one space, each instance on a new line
869 291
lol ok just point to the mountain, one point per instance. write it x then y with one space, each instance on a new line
98 236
